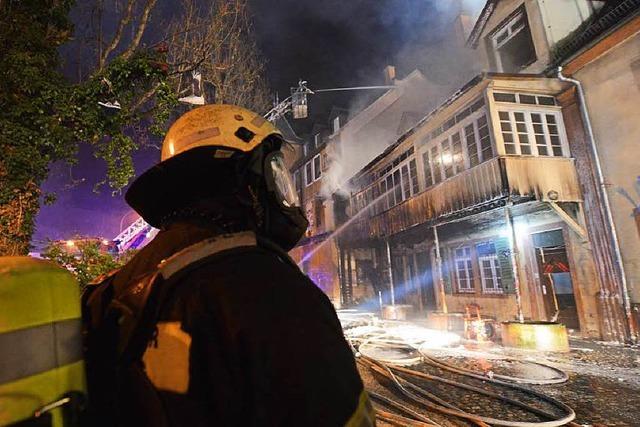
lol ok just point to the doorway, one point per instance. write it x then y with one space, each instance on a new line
555 278
424 280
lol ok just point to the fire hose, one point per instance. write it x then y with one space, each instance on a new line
439 405
389 367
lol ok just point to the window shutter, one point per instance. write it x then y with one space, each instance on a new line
503 250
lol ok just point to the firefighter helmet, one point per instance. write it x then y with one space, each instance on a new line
219 125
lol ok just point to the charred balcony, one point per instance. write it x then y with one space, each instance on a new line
483 187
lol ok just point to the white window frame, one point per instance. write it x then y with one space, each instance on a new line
511 32
459 128
316 140
314 172
336 124
317 170
466 258
543 112
391 196
496 274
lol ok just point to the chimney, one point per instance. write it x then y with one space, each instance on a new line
389 74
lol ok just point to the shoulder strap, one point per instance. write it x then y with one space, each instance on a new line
194 255
141 302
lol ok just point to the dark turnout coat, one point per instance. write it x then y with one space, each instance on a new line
236 336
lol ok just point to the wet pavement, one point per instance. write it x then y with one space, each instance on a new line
603 386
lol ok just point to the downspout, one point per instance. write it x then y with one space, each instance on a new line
605 197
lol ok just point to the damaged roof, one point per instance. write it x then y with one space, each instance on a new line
481 22
612 16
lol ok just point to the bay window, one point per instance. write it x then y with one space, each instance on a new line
531 133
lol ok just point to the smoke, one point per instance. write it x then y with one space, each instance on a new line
430 37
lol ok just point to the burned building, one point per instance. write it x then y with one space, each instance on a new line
479 204
596 44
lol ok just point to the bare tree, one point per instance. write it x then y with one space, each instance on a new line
219 39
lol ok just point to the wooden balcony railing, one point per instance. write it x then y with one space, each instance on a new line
528 178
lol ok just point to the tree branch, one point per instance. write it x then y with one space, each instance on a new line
118 35
142 25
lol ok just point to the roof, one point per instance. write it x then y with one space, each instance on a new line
481 22
612 16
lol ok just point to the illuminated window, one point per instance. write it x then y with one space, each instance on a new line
490 274
464 269
447 158
458 160
436 164
336 124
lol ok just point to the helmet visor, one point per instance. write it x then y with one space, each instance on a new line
283 182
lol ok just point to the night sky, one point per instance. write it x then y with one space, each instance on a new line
329 43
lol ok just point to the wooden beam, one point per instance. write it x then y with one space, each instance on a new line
603 46
572 223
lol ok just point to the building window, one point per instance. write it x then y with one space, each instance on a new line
472 145
401 183
458 160
464 269
521 128
413 173
436 164
447 158
336 124
313 170
490 273
478 141
316 140
522 98
428 178
512 44
486 151
317 170
308 169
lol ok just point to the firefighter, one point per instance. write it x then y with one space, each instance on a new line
212 323
41 368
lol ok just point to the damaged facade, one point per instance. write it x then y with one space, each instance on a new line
596 43
500 199
478 206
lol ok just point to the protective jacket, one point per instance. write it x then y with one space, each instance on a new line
202 329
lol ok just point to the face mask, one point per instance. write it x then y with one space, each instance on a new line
285 220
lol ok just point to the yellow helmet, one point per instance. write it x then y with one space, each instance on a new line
220 125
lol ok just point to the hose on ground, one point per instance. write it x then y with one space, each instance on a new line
560 378
403 408
570 414
386 371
